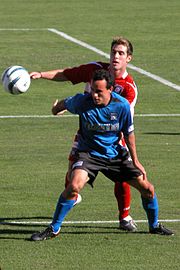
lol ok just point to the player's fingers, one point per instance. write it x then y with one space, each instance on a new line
35 75
144 176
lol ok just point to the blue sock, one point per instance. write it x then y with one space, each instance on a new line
62 208
152 209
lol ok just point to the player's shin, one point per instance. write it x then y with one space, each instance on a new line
62 208
152 210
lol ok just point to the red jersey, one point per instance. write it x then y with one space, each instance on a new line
125 85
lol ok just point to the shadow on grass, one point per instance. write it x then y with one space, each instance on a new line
162 133
4 219
17 233
21 221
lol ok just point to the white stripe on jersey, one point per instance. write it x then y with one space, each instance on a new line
132 105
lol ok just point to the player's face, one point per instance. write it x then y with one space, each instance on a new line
119 58
100 94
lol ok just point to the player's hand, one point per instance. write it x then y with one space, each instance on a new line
35 75
139 166
62 112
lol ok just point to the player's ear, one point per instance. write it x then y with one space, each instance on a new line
111 88
129 58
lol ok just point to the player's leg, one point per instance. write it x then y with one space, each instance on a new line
64 205
68 197
124 169
122 193
72 157
150 205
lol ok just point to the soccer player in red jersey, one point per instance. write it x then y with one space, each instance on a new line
120 56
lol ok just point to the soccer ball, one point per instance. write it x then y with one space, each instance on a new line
16 80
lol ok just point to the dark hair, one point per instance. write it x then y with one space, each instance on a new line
102 74
123 41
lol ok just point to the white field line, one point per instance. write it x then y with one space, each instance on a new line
14 222
74 115
36 116
23 29
94 49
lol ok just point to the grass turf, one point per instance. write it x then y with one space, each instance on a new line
34 151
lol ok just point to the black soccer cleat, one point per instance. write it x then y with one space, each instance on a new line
160 229
44 235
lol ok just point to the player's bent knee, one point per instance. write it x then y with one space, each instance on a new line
74 188
70 192
151 189
148 192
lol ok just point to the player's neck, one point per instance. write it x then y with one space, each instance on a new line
119 73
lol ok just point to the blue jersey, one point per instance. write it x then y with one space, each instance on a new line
100 126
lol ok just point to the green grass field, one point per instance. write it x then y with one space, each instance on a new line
34 151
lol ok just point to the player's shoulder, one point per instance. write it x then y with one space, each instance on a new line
82 96
129 80
77 97
79 100
129 77
125 83
119 99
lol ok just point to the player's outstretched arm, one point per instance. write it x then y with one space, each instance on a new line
55 75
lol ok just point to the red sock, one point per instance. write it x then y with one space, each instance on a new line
122 193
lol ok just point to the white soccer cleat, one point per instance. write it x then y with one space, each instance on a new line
128 224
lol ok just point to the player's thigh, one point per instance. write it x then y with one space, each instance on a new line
79 178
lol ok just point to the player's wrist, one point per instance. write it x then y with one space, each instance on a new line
40 74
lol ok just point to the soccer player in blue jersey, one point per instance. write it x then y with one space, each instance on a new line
103 116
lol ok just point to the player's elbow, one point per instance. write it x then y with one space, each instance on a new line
54 111
58 107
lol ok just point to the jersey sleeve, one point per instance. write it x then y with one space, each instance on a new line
72 103
83 73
